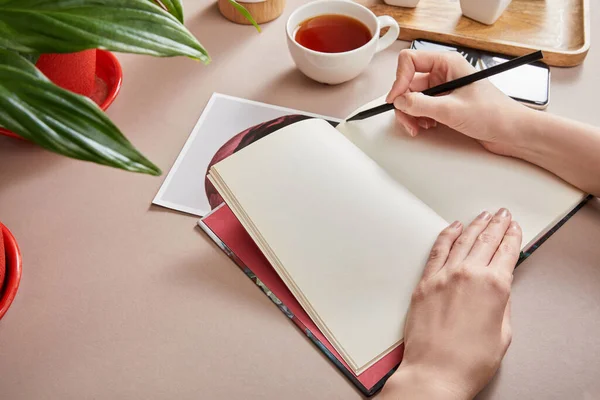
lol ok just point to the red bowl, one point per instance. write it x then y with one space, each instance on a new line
13 270
108 70
109 77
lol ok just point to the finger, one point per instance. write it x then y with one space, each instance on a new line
488 241
417 104
410 62
409 123
507 255
444 66
462 246
425 80
426 123
413 125
420 82
441 249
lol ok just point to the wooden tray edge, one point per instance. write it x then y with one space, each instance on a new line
552 57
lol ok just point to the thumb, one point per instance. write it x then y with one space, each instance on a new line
420 105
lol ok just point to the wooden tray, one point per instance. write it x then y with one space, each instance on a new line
561 28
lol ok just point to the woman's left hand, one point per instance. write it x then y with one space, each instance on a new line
458 325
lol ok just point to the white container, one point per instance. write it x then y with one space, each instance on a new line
484 11
402 3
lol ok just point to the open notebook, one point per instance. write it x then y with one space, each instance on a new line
347 216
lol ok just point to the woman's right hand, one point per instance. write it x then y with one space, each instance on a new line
478 110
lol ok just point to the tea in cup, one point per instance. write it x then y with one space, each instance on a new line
333 41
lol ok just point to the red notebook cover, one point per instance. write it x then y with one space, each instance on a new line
223 227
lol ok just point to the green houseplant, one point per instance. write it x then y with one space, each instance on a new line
61 121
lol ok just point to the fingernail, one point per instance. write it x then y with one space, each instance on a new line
484 216
455 225
514 226
400 103
503 212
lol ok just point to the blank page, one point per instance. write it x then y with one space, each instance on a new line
348 240
458 178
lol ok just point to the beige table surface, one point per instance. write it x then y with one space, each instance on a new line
122 300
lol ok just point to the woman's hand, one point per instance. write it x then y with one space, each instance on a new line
478 110
458 325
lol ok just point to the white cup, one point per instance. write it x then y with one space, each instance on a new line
334 68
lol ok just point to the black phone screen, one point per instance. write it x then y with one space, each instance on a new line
529 84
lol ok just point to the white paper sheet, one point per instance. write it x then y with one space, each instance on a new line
223 118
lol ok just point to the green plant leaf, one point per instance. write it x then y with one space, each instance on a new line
61 121
31 57
174 7
66 26
245 13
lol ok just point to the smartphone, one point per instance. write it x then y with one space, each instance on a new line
528 84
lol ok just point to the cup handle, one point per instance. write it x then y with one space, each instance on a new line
391 35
